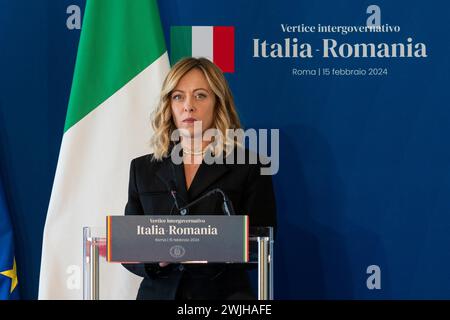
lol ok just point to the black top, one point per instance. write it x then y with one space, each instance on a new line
250 193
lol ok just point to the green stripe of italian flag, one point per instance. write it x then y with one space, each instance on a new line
213 42
120 67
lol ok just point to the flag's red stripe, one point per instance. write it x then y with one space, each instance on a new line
223 48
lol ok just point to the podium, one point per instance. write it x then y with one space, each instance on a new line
95 248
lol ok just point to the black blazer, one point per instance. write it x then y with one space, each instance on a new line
249 192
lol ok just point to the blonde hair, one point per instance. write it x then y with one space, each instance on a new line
225 115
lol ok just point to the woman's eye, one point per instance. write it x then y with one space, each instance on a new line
201 96
176 97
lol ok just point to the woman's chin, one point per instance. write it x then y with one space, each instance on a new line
188 132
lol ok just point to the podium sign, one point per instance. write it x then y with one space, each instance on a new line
154 238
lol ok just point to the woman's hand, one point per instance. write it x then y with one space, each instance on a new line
163 264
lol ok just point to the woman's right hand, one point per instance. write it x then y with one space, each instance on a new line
163 264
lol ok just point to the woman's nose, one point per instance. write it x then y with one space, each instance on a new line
188 104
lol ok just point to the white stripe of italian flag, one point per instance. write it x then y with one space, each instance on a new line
213 42
121 63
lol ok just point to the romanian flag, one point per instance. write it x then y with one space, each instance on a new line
8 271
212 42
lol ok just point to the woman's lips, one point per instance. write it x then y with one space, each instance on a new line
189 120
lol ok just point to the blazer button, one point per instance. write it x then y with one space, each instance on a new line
181 267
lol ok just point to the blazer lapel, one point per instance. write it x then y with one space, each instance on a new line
206 175
168 171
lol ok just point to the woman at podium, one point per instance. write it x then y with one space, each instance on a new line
196 97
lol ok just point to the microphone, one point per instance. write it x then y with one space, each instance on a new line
172 188
227 206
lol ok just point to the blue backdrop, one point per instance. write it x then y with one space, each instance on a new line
364 171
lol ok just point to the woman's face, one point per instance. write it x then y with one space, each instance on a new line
192 100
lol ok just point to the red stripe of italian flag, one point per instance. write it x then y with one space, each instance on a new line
213 42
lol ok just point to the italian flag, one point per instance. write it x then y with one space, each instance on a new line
213 42
120 66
